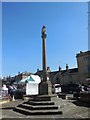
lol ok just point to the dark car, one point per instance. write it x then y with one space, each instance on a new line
73 88
70 88
18 94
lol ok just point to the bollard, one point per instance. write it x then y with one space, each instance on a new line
13 99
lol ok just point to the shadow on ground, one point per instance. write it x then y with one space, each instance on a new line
45 119
80 103
5 108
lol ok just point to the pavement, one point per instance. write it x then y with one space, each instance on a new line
70 108
4 101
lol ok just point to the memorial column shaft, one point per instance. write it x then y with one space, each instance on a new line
44 54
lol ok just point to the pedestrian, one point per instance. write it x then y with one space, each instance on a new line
88 88
82 88
10 92
4 91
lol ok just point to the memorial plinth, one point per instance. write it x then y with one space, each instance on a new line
45 88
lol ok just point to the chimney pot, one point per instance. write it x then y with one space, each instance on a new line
67 66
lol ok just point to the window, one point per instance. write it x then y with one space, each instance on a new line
88 68
87 58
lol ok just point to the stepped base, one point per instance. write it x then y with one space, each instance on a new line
35 103
40 105
35 112
30 107
38 97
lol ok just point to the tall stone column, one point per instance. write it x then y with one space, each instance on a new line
44 53
45 86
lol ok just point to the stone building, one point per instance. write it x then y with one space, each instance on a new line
22 76
8 80
83 63
71 75
66 76
89 25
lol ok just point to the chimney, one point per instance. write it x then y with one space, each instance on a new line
59 68
37 70
18 73
67 66
81 52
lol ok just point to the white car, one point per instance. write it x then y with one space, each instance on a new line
57 88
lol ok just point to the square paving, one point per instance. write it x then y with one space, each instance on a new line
70 108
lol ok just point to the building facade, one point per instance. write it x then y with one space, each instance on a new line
89 25
71 75
22 75
83 62
10 80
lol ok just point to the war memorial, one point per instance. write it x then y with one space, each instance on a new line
45 105
40 104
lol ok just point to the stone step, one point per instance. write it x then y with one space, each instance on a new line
36 112
42 107
42 98
38 97
39 103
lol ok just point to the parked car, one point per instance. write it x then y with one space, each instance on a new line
56 88
18 94
73 88
70 88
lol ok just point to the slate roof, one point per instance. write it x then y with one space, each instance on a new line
38 72
83 53
73 70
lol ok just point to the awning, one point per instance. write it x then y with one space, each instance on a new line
31 79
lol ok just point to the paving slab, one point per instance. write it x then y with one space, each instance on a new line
68 107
